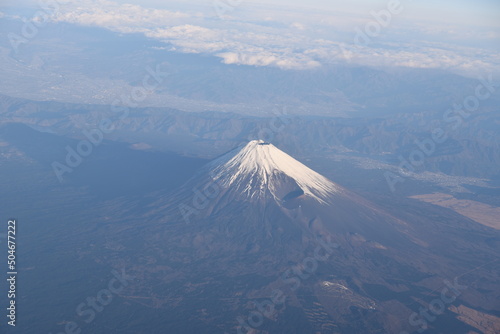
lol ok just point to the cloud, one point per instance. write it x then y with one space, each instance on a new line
268 59
184 32
291 40
116 17
298 26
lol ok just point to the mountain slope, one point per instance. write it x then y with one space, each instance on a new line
279 197
255 220
259 169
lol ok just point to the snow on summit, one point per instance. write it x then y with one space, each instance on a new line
259 167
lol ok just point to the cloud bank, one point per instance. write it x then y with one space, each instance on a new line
291 40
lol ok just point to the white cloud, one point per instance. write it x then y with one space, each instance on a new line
117 17
291 40
184 32
298 26
268 59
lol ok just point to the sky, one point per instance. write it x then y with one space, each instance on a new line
480 12
459 36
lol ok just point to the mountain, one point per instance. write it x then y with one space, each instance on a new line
260 171
250 242
376 144
262 191
256 227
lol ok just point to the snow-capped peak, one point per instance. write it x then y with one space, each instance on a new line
260 166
